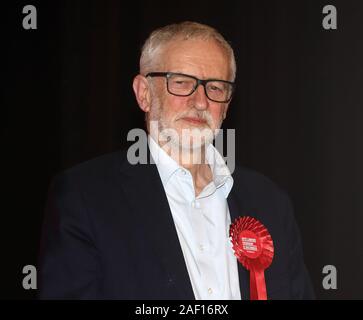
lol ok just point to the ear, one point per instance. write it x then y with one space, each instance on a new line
142 92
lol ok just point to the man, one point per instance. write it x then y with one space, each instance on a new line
160 230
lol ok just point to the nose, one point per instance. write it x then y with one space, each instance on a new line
200 99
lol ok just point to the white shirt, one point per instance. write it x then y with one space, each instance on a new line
202 224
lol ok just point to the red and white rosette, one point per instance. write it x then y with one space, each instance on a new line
254 249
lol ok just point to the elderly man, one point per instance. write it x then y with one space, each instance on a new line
160 230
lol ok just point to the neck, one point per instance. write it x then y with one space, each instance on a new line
193 160
188 158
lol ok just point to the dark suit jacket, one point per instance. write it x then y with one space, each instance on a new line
108 233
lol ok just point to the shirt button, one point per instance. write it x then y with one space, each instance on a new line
201 247
196 204
210 291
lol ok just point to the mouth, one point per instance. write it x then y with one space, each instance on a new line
195 121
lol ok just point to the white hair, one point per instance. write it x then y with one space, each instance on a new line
181 31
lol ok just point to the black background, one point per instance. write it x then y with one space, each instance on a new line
297 111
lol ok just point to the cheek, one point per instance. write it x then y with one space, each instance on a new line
217 112
173 106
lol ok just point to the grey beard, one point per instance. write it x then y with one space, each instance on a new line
199 137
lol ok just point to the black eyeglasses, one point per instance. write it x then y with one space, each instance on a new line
183 85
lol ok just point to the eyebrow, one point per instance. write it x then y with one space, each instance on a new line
209 78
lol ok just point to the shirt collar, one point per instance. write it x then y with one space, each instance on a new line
221 175
167 166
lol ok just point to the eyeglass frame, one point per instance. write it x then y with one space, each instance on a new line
167 75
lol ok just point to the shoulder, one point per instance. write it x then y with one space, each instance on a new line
94 172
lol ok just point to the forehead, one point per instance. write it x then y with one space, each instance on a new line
201 58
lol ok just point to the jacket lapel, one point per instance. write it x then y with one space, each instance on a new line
236 210
143 187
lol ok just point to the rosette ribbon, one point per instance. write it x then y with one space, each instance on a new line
253 246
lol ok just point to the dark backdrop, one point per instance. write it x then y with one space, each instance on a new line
297 111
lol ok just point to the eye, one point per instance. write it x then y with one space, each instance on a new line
215 87
179 81
182 82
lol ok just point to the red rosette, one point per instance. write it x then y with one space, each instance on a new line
254 249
